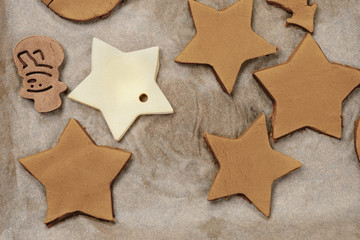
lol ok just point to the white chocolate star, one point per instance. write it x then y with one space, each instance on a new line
122 86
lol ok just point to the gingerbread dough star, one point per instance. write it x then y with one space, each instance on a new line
308 91
248 166
357 138
122 86
82 10
77 175
224 40
302 12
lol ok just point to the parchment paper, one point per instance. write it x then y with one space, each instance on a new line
162 193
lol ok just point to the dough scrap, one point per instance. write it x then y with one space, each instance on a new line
302 13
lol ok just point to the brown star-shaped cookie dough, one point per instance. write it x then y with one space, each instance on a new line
308 91
224 40
77 175
302 12
248 165
357 138
82 10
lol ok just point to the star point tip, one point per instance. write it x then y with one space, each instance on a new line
21 160
299 164
96 41
73 121
171 110
178 58
118 138
210 197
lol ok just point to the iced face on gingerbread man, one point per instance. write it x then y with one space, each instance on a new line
38 59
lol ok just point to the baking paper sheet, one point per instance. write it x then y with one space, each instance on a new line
162 193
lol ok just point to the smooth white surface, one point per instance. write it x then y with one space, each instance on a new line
116 82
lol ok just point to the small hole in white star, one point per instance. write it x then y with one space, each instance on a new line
143 98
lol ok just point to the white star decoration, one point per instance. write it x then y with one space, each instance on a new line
122 86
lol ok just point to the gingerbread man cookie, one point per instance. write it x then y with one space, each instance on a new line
37 59
302 12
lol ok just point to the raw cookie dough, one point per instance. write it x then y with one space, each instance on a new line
248 166
38 59
82 10
357 138
122 86
77 175
225 49
308 91
302 12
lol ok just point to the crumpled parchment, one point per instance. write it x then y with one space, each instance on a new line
162 193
